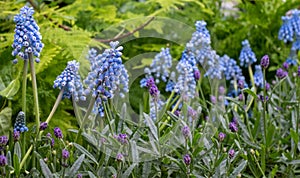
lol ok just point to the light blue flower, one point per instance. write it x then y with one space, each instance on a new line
27 38
107 76
70 81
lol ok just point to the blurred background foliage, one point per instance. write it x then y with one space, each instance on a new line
68 27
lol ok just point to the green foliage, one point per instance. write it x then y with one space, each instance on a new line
70 27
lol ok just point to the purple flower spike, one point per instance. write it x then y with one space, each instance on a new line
186 131
221 136
3 140
65 154
241 84
187 159
286 65
213 99
197 74
58 133
3 160
233 127
299 71
16 135
231 153
280 73
119 157
43 125
265 62
122 138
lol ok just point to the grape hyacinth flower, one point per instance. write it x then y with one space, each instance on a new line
3 160
231 153
214 67
221 136
258 76
186 82
298 71
160 66
280 73
200 37
79 176
170 86
247 56
27 38
70 81
296 44
286 31
264 62
58 133
20 124
295 21
231 69
107 76
187 159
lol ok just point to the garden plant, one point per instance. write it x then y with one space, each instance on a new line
149 88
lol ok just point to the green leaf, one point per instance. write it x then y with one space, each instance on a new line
86 152
242 164
76 166
17 150
294 136
146 169
16 164
45 169
151 126
11 90
5 120
250 92
129 170
134 152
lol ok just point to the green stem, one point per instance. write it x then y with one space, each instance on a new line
24 86
168 118
85 118
35 94
55 106
26 156
253 84
264 107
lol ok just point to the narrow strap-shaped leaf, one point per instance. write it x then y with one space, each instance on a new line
129 170
86 152
76 166
45 169
17 151
151 126
239 169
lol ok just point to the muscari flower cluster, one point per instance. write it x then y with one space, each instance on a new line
20 124
27 38
290 32
186 82
258 76
69 80
247 56
231 69
107 76
160 67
